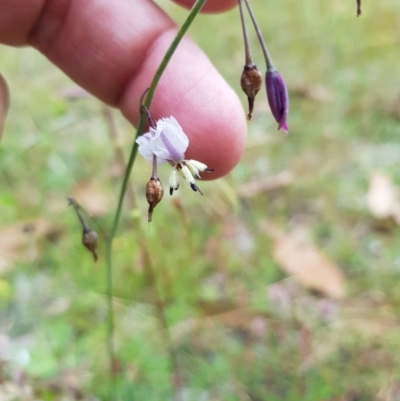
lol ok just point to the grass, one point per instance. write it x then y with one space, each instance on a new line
213 265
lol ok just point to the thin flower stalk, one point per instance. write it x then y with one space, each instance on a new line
248 56
251 78
268 59
277 93
140 129
89 237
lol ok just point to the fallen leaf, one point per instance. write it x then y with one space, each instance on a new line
212 308
298 257
231 314
383 197
257 187
18 242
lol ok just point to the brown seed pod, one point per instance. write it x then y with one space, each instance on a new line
251 81
358 8
89 240
154 194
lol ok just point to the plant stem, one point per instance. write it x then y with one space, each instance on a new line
162 316
268 59
249 58
72 202
154 174
168 55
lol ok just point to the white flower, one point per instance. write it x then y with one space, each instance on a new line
168 142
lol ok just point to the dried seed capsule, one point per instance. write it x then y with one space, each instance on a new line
251 81
358 8
89 240
154 194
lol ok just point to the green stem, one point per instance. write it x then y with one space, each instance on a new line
168 55
249 58
268 59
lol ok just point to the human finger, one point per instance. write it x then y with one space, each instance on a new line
113 49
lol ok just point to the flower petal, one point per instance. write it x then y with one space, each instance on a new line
169 142
145 148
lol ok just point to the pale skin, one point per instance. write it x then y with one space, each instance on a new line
112 49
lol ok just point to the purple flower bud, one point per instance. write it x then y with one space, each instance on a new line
278 98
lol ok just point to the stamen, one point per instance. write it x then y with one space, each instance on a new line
173 181
196 188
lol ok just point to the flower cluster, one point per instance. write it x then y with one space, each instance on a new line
167 143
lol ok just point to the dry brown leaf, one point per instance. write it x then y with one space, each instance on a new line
254 188
299 258
231 314
18 241
383 197
239 318
94 199
220 306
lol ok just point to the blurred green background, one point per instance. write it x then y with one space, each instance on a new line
218 267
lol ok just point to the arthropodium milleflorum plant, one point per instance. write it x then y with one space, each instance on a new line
166 141
190 169
140 129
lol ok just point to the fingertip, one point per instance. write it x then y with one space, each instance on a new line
218 137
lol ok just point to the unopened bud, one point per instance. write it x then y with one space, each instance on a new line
89 240
154 194
251 81
278 98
